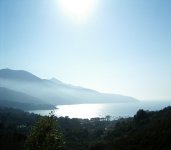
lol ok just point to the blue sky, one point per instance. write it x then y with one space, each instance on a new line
122 46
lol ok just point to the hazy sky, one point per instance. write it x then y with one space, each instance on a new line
116 46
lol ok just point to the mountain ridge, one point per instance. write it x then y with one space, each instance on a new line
11 98
18 75
55 91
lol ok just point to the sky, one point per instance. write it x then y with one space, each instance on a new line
113 46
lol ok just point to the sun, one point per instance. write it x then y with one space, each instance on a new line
78 9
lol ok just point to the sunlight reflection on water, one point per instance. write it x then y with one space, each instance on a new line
101 110
80 110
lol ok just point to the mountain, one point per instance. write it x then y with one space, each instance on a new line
10 98
20 75
54 91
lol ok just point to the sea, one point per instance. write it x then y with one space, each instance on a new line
114 110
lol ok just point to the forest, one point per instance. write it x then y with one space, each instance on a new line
149 130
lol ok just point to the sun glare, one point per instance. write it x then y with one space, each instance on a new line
78 9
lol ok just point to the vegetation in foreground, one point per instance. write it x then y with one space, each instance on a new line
147 130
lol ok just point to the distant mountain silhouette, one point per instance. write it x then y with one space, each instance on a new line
10 98
54 91
20 75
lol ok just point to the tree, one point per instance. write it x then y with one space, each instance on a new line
108 118
45 135
141 117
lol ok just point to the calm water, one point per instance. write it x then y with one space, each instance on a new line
101 110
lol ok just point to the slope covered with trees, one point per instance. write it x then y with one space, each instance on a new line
146 130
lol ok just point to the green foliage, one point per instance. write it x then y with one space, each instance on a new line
141 116
14 126
145 131
44 135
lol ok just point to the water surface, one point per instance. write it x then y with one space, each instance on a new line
101 110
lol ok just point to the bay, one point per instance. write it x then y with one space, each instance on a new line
115 110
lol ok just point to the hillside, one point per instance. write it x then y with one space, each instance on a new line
10 98
145 131
18 75
54 91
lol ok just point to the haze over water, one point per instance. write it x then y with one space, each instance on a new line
115 110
